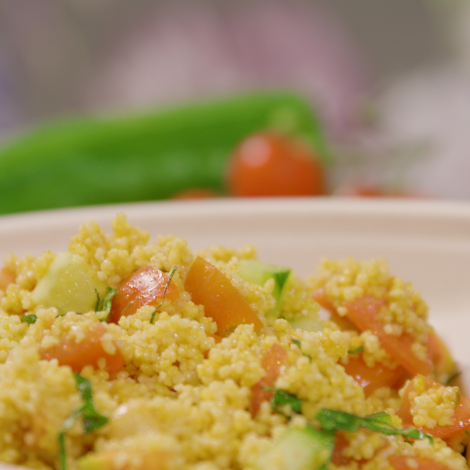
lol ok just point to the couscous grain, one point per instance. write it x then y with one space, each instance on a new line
159 384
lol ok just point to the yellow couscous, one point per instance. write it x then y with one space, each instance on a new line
130 354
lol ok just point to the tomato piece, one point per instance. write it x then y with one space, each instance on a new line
146 286
85 353
273 362
270 164
363 312
342 322
341 443
6 278
372 378
221 300
460 418
408 462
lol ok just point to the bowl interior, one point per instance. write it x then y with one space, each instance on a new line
426 243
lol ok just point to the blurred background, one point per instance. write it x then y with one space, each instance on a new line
389 80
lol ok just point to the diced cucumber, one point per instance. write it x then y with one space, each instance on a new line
95 462
259 273
69 284
298 449
306 324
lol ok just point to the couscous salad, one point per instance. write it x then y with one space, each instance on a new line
129 354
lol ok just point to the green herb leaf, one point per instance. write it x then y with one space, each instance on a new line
30 319
84 388
452 378
333 420
282 398
63 314
98 301
170 277
92 420
105 304
68 423
299 344
357 350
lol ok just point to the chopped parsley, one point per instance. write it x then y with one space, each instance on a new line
282 398
92 420
333 420
29 319
105 304
299 344
170 277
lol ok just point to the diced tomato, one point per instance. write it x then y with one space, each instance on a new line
221 300
408 462
320 296
85 353
146 286
342 322
363 313
217 338
460 418
341 443
273 362
6 278
372 378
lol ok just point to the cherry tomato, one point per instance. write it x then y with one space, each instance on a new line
269 164
375 191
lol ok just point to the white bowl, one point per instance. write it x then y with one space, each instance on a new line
425 242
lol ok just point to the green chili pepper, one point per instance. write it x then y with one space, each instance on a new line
85 161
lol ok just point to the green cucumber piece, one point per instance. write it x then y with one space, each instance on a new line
69 284
259 273
299 449
101 160
306 324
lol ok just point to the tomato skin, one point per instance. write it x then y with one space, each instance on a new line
221 300
6 278
372 378
461 416
269 164
363 312
342 322
408 462
85 353
273 362
144 287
